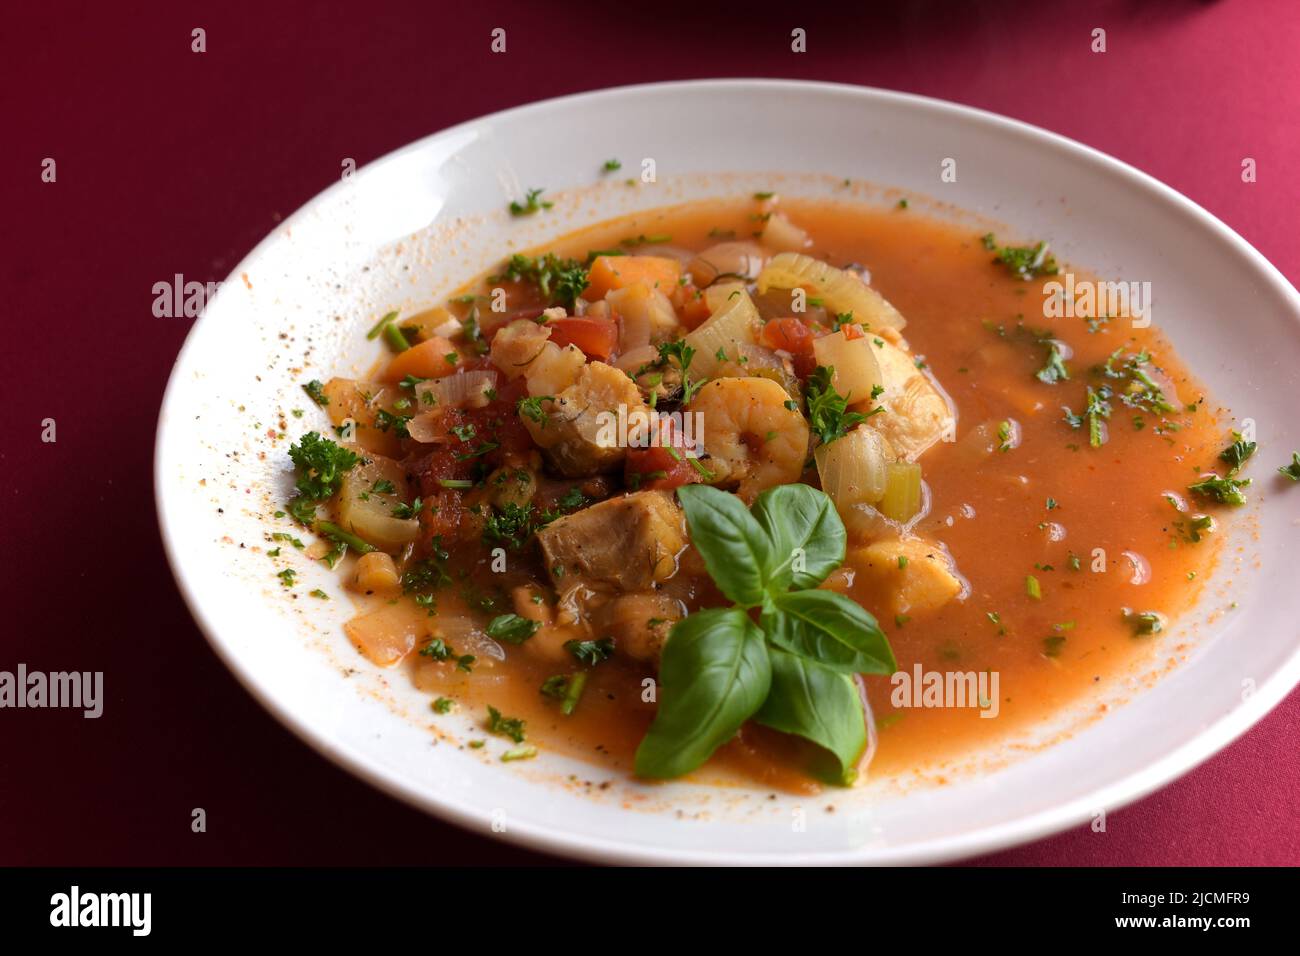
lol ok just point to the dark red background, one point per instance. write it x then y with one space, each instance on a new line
169 161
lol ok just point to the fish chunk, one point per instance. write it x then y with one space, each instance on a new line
622 544
925 580
916 411
575 432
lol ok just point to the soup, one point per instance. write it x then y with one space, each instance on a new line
767 488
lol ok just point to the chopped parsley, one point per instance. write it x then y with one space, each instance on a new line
1224 490
566 688
1292 470
531 407
512 628
316 392
1027 262
560 281
406 512
503 726
827 409
1237 453
591 652
321 466
533 203
684 354
1055 370
1144 622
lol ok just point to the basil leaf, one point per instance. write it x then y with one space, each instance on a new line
806 532
735 548
828 628
713 676
820 705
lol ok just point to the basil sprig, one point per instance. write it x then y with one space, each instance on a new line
793 670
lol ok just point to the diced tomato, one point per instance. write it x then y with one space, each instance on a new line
657 468
691 306
793 335
595 336
667 461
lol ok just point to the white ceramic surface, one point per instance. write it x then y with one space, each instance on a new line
410 227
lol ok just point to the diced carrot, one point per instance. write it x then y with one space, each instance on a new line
596 337
429 359
614 272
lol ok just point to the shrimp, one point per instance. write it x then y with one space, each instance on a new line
751 435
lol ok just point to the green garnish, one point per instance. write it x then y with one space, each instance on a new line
395 338
336 534
503 726
532 203
443 705
684 354
316 392
522 752
531 407
827 409
1033 588
511 525
591 652
1027 262
1094 413
1224 490
379 326
1237 453
406 512
386 420
567 689
1144 622
512 628
321 466
1292 470
611 166
792 671
560 281
1054 370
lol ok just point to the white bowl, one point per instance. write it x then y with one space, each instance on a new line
405 230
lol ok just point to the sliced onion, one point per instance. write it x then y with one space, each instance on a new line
461 390
733 324
839 290
783 235
740 260
852 468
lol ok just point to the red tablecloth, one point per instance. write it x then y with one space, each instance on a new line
170 161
